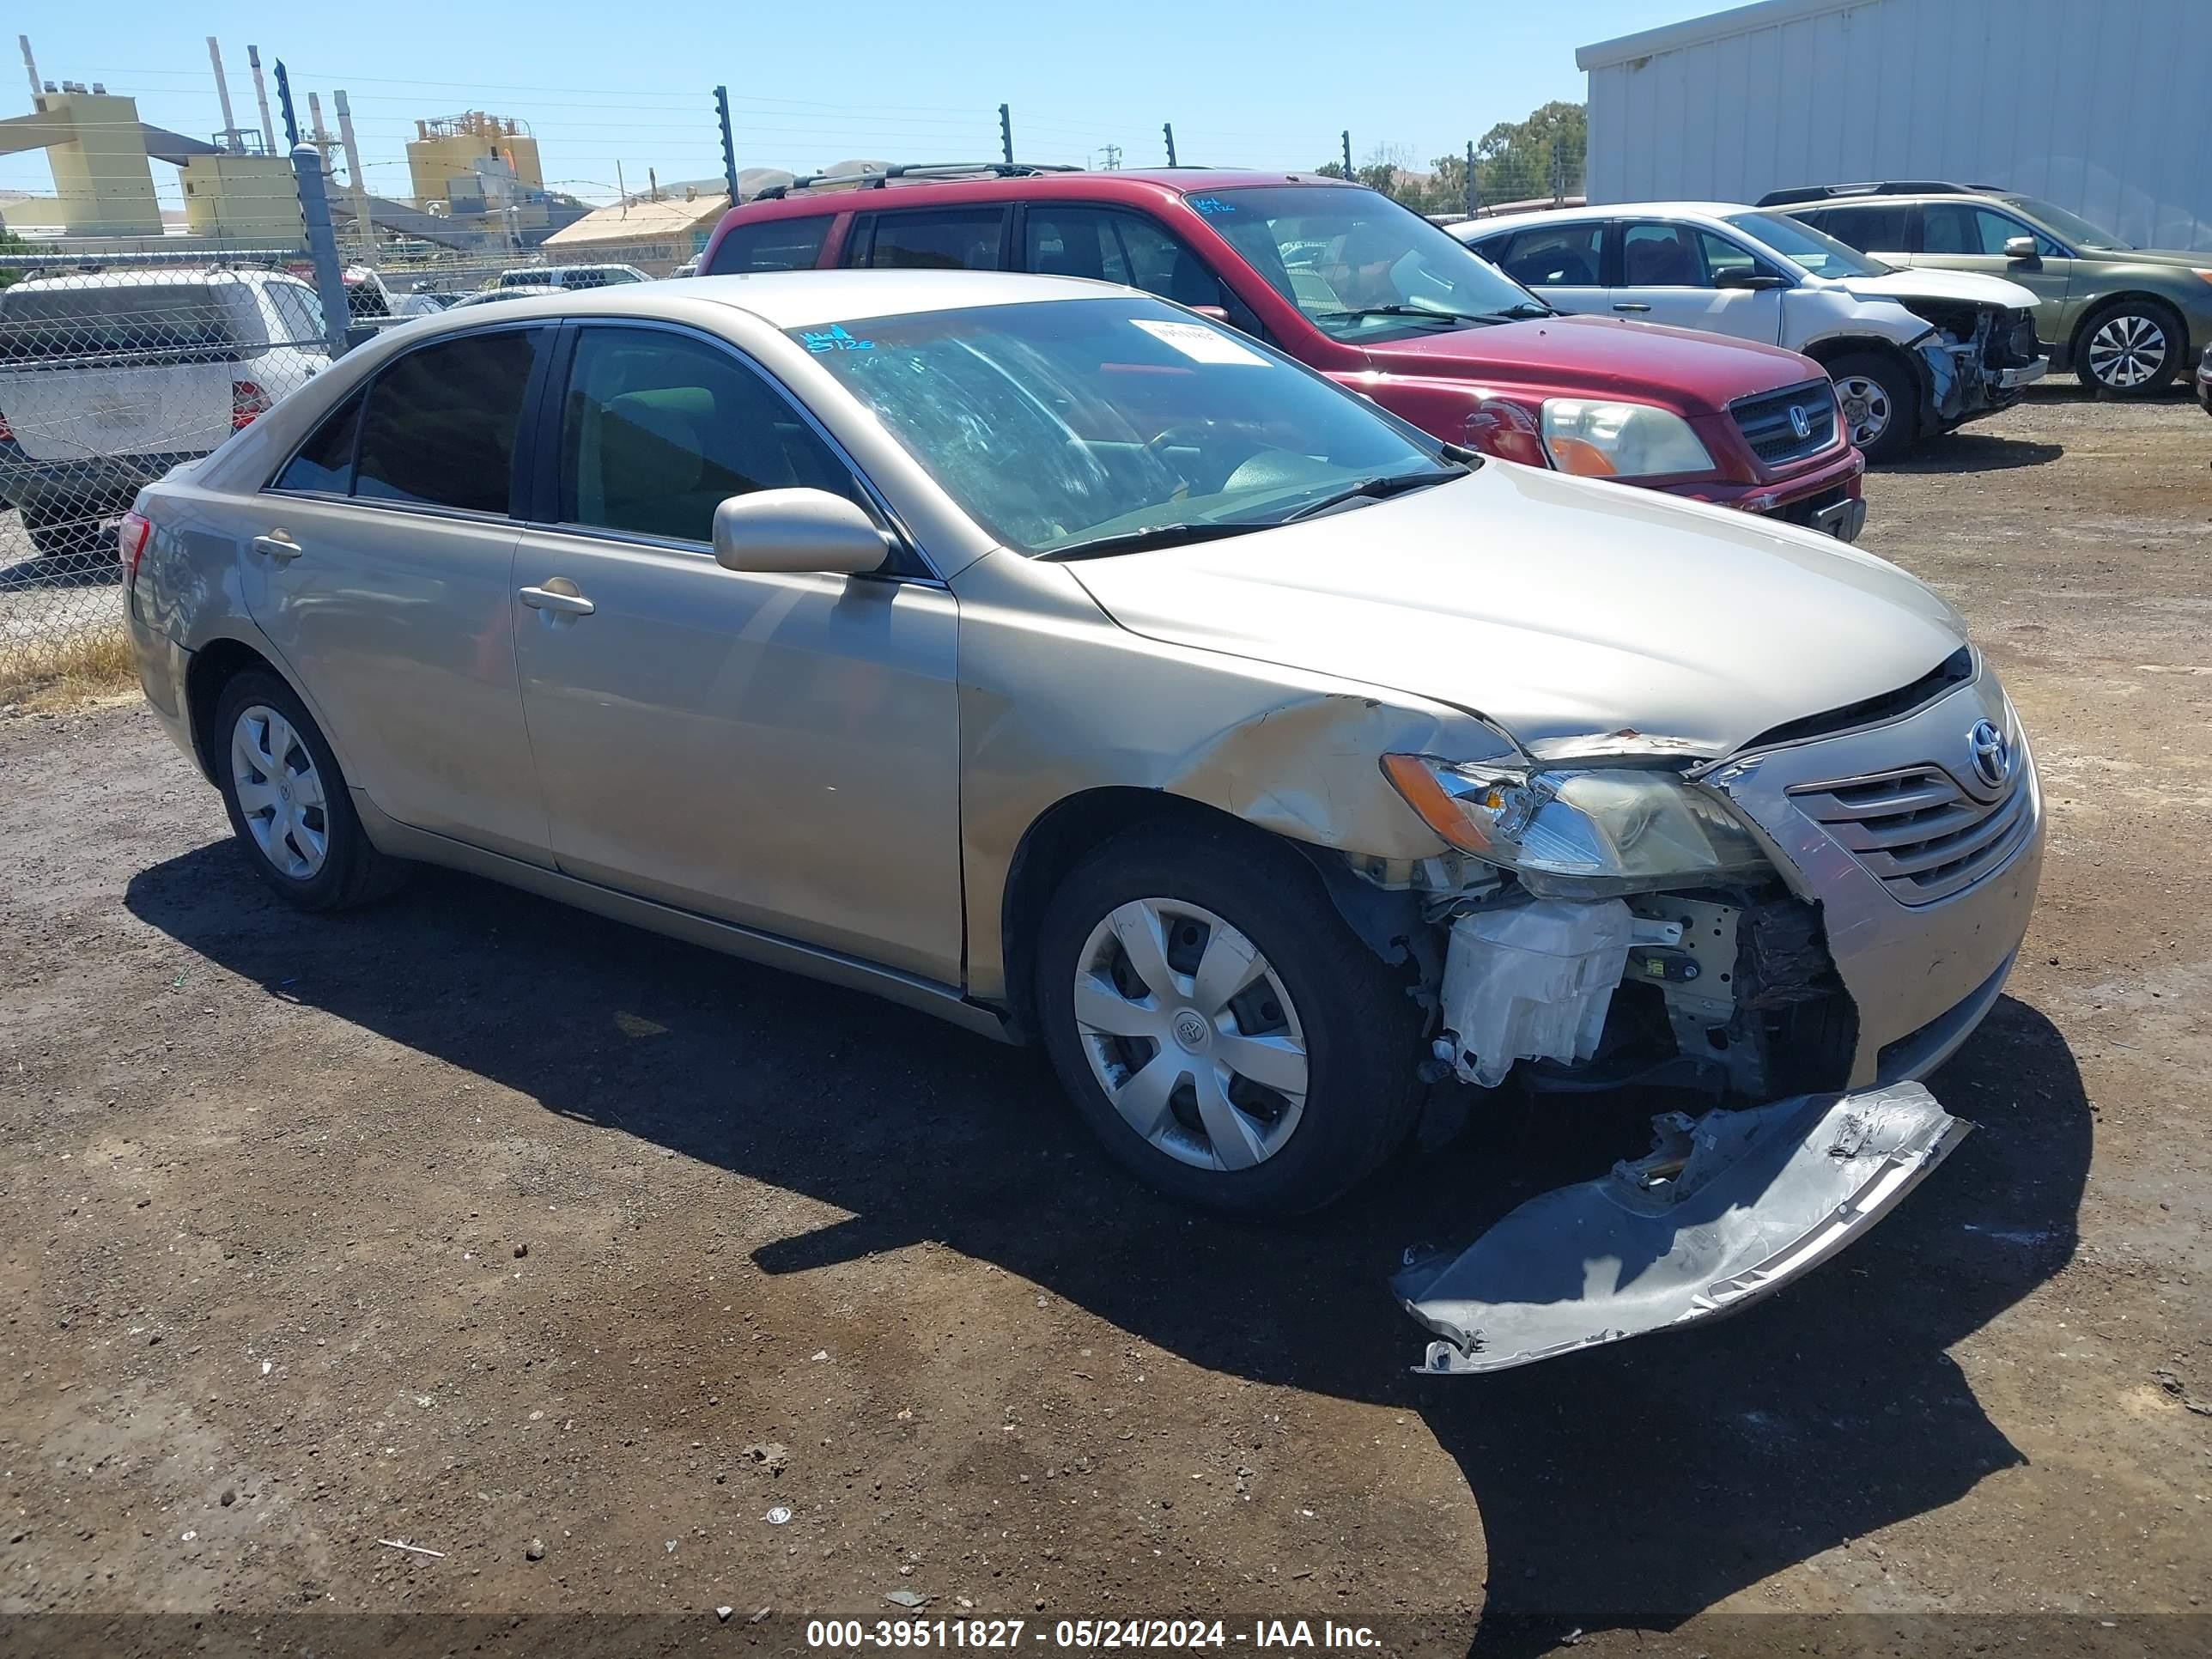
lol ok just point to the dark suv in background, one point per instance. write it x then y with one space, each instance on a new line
1371 294
2125 319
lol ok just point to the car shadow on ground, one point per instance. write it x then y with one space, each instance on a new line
1630 1486
1976 452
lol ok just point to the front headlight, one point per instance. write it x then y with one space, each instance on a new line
1600 440
1578 832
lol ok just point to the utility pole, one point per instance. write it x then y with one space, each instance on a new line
1112 154
284 102
1006 133
1346 137
1167 131
1473 195
729 146
364 228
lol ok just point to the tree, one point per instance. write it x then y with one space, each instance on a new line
1541 155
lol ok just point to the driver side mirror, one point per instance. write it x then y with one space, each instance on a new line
1744 276
2020 247
797 531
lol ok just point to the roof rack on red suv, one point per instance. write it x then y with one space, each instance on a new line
915 172
1871 187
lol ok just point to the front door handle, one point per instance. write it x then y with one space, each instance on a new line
1631 305
559 594
278 546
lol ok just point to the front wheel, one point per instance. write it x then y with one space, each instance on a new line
1221 1029
1878 401
288 800
2130 350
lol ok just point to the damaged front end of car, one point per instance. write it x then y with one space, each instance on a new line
1642 919
1977 359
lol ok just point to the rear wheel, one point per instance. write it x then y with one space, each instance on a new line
288 800
2131 349
1879 405
1221 1029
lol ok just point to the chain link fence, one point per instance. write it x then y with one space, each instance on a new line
111 372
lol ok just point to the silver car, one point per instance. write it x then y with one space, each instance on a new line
1045 656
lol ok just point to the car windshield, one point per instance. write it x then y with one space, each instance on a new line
1361 267
2070 226
1067 425
1799 243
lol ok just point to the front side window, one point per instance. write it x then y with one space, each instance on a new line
1662 255
2071 226
771 245
657 428
1966 228
957 239
1130 419
441 423
1112 246
1361 267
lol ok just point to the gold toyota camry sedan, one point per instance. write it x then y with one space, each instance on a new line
1070 666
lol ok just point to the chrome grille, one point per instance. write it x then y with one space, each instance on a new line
1766 425
1917 832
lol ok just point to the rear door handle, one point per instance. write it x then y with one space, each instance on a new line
568 604
1631 305
278 546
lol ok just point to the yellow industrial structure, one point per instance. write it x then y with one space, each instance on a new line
447 161
97 149
247 201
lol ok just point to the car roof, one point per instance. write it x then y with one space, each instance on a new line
1123 184
802 299
150 275
1489 228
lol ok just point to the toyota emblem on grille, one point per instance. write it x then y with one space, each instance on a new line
1992 754
1800 422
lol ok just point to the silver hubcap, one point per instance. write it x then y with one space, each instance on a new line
2127 351
280 793
1191 1034
1865 408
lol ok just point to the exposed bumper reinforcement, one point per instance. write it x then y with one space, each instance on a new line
1726 1209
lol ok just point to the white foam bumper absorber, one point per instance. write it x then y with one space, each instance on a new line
1531 982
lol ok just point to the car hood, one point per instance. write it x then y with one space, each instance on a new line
1921 283
1577 615
1695 372
2180 258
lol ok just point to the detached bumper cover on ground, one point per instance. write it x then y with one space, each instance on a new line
1726 1209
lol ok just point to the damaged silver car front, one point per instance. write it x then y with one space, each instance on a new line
1726 1209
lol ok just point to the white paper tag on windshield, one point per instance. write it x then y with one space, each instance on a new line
1199 344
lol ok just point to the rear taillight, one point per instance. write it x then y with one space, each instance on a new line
130 536
247 400
1506 429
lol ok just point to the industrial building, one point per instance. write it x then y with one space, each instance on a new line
475 162
2097 108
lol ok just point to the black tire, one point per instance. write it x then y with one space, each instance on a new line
352 872
1896 385
2132 321
1361 1030
64 533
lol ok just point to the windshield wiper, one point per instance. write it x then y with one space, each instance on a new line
1429 313
1524 310
1375 489
1141 541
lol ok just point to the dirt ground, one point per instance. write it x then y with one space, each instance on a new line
470 1221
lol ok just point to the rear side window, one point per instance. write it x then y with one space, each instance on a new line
965 239
441 423
1875 228
1563 256
167 320
771 245
324 464
299 314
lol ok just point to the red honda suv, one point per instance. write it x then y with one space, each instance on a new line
1370 294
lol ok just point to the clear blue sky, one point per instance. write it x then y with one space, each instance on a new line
1270 85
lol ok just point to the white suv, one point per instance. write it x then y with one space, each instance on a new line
110 377
1912 353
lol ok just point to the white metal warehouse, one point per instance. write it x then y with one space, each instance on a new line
2103 107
